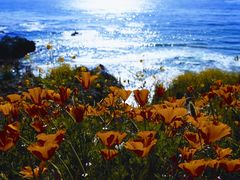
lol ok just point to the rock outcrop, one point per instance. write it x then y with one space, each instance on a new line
14 48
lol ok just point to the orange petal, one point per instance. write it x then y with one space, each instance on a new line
110 138
109 154
195 167
141 96
230 165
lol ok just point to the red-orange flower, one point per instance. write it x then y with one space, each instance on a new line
109 154
230 165
109 101
62 96
36 95
160 90
77 112
173 102
194 140
6 109
147 136
213 163
58 137
187 153
122 93
86 79
190 89
223 152
46 145
36 110
141 96
9 136
195 167
110 138
14 98
10 110
28 173
213 131
143 145
170 114
38 126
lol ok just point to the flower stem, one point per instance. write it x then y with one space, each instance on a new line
59 172
64 164
79 160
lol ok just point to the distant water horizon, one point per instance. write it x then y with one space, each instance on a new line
170 37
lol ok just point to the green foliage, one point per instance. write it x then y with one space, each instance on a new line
79 157
200 82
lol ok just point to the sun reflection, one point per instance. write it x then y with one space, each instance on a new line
109 6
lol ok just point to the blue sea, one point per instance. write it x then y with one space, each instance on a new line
170 37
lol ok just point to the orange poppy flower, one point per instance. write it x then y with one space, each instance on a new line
135 113
77 112
109 154
213 131
139 147
6 143
176 124
146 113
147 136
190 89
110 138
194 140
160 90
9 136
141 96
38 126
223 152
46 145
144 144
43 152
170 114
114 89
64 94
6 108
203 101
124 94
194 167
230 165
86 79
173 102
52 138
213 163
187 153
27 172
219 83
35 110
14 98
109 101
36 95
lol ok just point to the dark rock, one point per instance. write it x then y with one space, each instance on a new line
13 48
237 58
74 33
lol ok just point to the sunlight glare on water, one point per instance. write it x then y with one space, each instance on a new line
110 6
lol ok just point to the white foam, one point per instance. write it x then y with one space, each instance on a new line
32 26
93 39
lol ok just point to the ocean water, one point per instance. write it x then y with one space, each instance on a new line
170 36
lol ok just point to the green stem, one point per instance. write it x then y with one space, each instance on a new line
79 160
134 124
25 140
64 164
212 109
59 172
